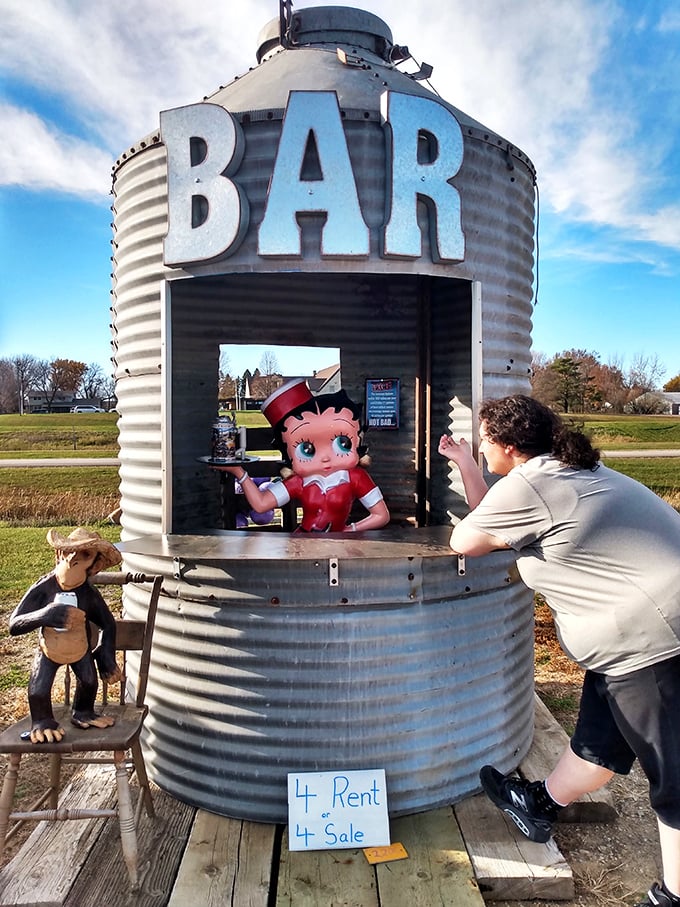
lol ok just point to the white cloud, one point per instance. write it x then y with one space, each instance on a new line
564 83
669 21
34 156
114 66
545 74
661 226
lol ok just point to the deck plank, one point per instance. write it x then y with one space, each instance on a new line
507 865
42 871
320 878
161 842
227 861
191 857
550 741
438 869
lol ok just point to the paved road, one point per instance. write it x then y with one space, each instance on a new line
63 461
641 453
114 461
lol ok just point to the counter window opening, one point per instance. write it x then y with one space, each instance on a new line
424 331
248 373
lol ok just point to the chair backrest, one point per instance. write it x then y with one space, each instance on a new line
131 635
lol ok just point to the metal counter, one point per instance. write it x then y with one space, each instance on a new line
279 653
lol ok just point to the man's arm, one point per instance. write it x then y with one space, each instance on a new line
460 453
465 539
473 542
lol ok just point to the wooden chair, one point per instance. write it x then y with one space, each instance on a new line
93 744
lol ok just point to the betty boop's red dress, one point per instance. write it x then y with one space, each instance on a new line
327 500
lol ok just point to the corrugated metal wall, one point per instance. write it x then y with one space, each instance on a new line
411 674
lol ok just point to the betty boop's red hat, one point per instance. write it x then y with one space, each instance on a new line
285 399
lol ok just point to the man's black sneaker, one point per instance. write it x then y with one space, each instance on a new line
657 896
527 803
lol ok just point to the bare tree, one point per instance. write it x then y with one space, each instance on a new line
647 404
645 374
225 364
269 364
26 369
544 381
610 379
8 387
92 384
269 372
226 387
109 391
576 380
58 376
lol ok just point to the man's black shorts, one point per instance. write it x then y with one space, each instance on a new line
636 715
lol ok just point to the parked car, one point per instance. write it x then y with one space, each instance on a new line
87 409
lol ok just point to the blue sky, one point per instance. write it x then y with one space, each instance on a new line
587 88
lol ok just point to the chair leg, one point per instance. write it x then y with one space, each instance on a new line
142 778
9 786
126 817
55 780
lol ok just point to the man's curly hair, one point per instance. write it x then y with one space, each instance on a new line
533 429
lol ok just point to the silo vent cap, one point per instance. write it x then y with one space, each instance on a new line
329 25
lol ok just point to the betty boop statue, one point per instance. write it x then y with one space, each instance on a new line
320 439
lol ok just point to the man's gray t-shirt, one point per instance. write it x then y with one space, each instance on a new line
602 549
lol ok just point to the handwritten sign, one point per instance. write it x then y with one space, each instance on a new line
335 810
382 403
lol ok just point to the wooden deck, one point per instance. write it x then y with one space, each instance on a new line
190 858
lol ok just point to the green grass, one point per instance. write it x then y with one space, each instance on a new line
90 481
25 556
645 432
44 496
661 474
54 453
560 702
563 707
59 434
96 434
251 418
13 676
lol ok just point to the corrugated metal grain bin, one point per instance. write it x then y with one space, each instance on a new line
325 198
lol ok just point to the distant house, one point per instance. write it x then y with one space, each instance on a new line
673 401
657 402
257 387
326 380
36 402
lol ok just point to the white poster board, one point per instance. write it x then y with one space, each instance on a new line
336 810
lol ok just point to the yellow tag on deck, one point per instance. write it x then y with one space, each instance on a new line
385 854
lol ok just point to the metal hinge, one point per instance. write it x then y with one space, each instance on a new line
333 565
